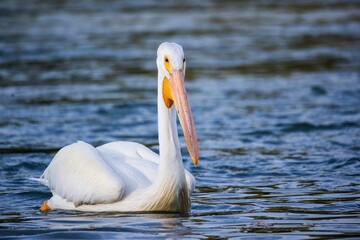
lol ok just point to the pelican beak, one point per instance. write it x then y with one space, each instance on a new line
182 105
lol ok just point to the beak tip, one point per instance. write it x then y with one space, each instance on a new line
195 160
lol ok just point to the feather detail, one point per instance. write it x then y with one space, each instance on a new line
78 174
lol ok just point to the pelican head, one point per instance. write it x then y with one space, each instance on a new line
171 65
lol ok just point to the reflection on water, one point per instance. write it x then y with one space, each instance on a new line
274 88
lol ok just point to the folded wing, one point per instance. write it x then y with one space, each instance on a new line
80 175
140 158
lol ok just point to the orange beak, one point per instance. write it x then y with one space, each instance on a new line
182 105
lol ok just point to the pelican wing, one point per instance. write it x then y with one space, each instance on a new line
136 164
139 159
131 149
79 174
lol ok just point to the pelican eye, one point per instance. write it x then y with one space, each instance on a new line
167 63
183 60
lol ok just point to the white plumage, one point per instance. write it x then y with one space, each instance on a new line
127 176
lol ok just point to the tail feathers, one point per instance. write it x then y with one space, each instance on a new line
41 180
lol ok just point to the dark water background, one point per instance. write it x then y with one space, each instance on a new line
275 92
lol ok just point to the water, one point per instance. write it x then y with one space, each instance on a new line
275 93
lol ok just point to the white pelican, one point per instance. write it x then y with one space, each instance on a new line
127 176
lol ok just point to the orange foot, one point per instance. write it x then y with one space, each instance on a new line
44 207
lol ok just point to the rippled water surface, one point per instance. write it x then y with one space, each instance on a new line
275 92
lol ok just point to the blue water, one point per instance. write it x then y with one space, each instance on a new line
275 93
